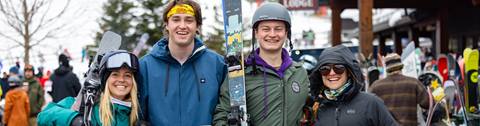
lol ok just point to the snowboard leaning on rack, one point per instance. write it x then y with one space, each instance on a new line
471 79
232 15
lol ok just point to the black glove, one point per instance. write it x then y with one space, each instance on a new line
77 121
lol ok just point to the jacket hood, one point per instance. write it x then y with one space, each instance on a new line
161 51
62 70
17 93
286 62
338 55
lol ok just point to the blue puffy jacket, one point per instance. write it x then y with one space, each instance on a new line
172 94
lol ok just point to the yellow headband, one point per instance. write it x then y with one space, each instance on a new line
181 9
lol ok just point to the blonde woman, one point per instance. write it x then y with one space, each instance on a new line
118 103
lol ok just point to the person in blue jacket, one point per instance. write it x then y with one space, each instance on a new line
181 78
118 102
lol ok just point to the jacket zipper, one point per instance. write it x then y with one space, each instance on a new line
180 92
282 86
337 113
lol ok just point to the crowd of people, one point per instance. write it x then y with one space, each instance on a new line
181 82
26 93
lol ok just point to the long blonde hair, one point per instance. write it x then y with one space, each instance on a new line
106 116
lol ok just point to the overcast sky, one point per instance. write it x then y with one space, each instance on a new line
85 26
82 17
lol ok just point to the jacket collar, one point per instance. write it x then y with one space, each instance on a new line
161 50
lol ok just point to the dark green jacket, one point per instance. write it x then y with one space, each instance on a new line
283 106
35 95
60 114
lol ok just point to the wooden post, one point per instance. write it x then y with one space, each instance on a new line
442 32
365 24
475 42
397 43
381 45
413 36
336 23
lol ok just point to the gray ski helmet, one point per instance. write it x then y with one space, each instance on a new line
271 11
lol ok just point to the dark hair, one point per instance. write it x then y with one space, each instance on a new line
196 9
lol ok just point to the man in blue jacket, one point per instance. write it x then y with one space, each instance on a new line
180 76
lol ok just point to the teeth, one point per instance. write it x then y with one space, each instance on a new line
122 87
271 41
182 33
333 79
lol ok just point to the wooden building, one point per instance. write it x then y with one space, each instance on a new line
451 24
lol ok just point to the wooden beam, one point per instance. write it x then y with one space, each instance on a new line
476 2
336 24
365 26
428 4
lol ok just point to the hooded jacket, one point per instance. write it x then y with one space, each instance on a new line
64 83
60 114
180 94
352 107
274 97
17 108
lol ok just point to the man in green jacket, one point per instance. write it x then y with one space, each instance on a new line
276 86
35 94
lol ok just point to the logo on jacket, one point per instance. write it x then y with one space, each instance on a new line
351 111
295 87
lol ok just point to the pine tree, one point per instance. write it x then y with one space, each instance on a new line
151 20
118 18
131 19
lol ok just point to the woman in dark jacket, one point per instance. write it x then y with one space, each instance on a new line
337 82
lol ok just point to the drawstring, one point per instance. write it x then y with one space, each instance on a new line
265 95
252 53
196 78
166 79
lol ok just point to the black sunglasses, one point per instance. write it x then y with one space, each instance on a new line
337 68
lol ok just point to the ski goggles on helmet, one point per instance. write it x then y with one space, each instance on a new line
337 68
120 59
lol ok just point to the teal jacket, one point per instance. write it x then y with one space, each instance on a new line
273 98
60 114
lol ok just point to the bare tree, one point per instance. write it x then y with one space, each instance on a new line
31 22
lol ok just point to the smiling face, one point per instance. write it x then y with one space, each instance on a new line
181 29
271 35
120 83
334 78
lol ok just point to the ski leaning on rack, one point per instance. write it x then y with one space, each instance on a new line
232 17
90 91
